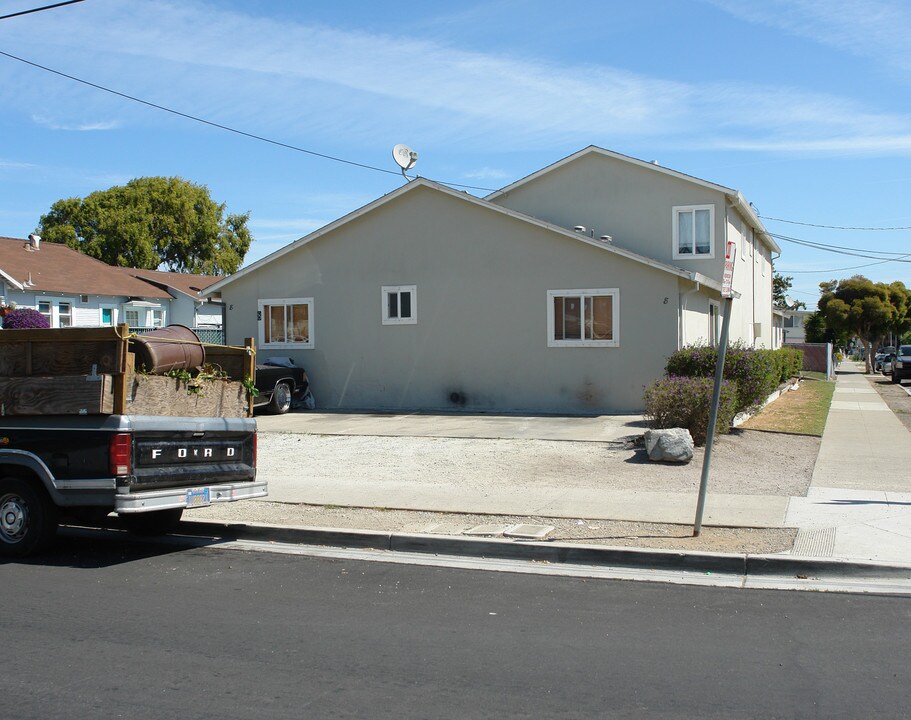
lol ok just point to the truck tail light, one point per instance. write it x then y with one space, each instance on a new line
120 453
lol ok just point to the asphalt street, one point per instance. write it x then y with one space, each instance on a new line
108 629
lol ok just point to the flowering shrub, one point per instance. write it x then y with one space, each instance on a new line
756 373
685 402
24 319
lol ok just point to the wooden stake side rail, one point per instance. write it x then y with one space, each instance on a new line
91 371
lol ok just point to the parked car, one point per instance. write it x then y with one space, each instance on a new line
881 355
885 365
901 364
281 383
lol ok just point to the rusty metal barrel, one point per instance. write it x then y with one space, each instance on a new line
175 347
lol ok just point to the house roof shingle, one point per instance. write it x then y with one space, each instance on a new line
54 267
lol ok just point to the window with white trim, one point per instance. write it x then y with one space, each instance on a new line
59 312
583 318
694 231
285 323
400 304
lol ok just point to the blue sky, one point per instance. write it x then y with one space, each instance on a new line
803 105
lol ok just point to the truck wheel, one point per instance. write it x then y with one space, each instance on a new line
156 522
281 399
28 519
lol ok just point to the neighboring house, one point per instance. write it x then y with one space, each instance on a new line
429 298
75 290
794 331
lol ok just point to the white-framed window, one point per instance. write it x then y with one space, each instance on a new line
583 318
694 231
156 318
285 323
131 316
58 311
400 304
108 315
714 322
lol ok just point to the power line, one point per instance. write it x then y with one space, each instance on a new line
833 227
227 128
835 270
842 250
34 10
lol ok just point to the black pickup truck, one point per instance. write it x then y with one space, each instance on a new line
147 469
83 434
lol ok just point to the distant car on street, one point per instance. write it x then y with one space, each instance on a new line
901 364
881 355
281 383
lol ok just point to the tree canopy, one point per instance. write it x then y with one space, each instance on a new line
150 222
870 311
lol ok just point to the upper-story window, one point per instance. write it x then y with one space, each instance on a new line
694 231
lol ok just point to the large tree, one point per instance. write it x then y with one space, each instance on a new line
152 222
861 308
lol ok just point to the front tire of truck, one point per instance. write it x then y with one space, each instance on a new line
150 524
28 519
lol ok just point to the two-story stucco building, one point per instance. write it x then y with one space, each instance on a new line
564 292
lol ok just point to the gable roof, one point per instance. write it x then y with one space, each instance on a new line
54 267
734 196
186 283
472 200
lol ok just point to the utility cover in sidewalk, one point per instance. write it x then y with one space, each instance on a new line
488 530
529 532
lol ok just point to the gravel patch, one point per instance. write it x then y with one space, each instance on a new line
746 462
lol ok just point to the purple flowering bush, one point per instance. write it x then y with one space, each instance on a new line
685 402
24 319
756 373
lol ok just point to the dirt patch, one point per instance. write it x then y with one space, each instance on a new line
601 532
746 462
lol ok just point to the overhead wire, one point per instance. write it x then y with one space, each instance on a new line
227 128
39 9
835 227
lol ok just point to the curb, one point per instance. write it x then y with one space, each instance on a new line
742 564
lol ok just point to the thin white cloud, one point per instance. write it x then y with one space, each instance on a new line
872 28
79 127
317 84
486 173
13 165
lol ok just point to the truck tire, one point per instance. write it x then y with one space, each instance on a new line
28 518
281 399
156 522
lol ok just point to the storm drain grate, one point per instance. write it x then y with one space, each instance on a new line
815 543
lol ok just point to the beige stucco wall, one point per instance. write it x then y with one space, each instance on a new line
634 205
481 333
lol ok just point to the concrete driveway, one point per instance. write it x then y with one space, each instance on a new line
599 428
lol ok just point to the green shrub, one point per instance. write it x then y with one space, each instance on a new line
685 402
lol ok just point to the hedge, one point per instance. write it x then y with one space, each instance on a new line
685 402
755 373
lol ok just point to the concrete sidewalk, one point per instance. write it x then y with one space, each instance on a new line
858 506
859 502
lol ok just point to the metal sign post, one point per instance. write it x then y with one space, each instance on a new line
728 294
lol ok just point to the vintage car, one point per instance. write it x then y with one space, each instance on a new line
281 384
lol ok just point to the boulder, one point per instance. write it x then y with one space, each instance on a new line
669 445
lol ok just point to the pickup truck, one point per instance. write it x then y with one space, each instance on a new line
82 446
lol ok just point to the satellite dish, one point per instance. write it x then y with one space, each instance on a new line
789 301
404 157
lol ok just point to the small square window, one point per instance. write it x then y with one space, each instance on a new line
286 324
399 305
583 318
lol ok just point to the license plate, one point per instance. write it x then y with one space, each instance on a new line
198 497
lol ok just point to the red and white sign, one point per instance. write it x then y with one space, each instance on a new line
728 278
